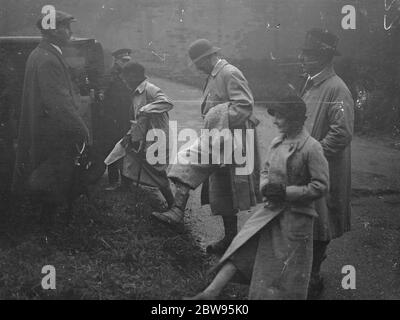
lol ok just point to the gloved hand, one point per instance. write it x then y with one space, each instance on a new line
274 192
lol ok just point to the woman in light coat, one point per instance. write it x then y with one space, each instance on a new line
273 250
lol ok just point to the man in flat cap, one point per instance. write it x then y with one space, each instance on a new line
330 118
227 105
50 127
117 101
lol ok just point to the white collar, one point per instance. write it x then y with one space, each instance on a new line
218 66
57 48
140 88
315 75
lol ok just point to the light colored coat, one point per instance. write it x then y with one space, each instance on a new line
330 119
281 265
150 101
227 104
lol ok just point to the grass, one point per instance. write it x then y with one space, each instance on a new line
113 252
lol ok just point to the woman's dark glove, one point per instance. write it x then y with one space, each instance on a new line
275 192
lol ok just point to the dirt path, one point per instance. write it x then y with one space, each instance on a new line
373 245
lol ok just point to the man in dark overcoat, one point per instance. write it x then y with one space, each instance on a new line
50 129
330 119
117 103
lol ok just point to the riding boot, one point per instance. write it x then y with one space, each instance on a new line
174 216
169 197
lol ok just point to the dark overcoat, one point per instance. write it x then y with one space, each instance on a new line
117 103
330 120
50 125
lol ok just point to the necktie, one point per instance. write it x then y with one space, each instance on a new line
307 86
205 100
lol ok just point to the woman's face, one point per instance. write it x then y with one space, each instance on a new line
281 123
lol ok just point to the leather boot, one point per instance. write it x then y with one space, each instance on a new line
219 247
174 216
169 197
316 285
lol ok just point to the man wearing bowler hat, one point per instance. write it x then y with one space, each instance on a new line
227 103
117 102
330 118
50 128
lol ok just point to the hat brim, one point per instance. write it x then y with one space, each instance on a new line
318 51
205 54
66 21
273 108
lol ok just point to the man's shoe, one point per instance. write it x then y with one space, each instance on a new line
172 217
112 187
315 287
156 199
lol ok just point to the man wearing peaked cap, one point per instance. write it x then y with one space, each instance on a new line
330 118
227 103
121 53
121 58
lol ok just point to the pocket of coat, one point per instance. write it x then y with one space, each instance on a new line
299 225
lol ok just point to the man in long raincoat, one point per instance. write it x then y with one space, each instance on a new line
227 104
330 119
148 111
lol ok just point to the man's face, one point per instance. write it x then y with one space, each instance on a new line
310 62
122 61
62 35
204 65
132 80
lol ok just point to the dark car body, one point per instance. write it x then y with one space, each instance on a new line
86 61
84 56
